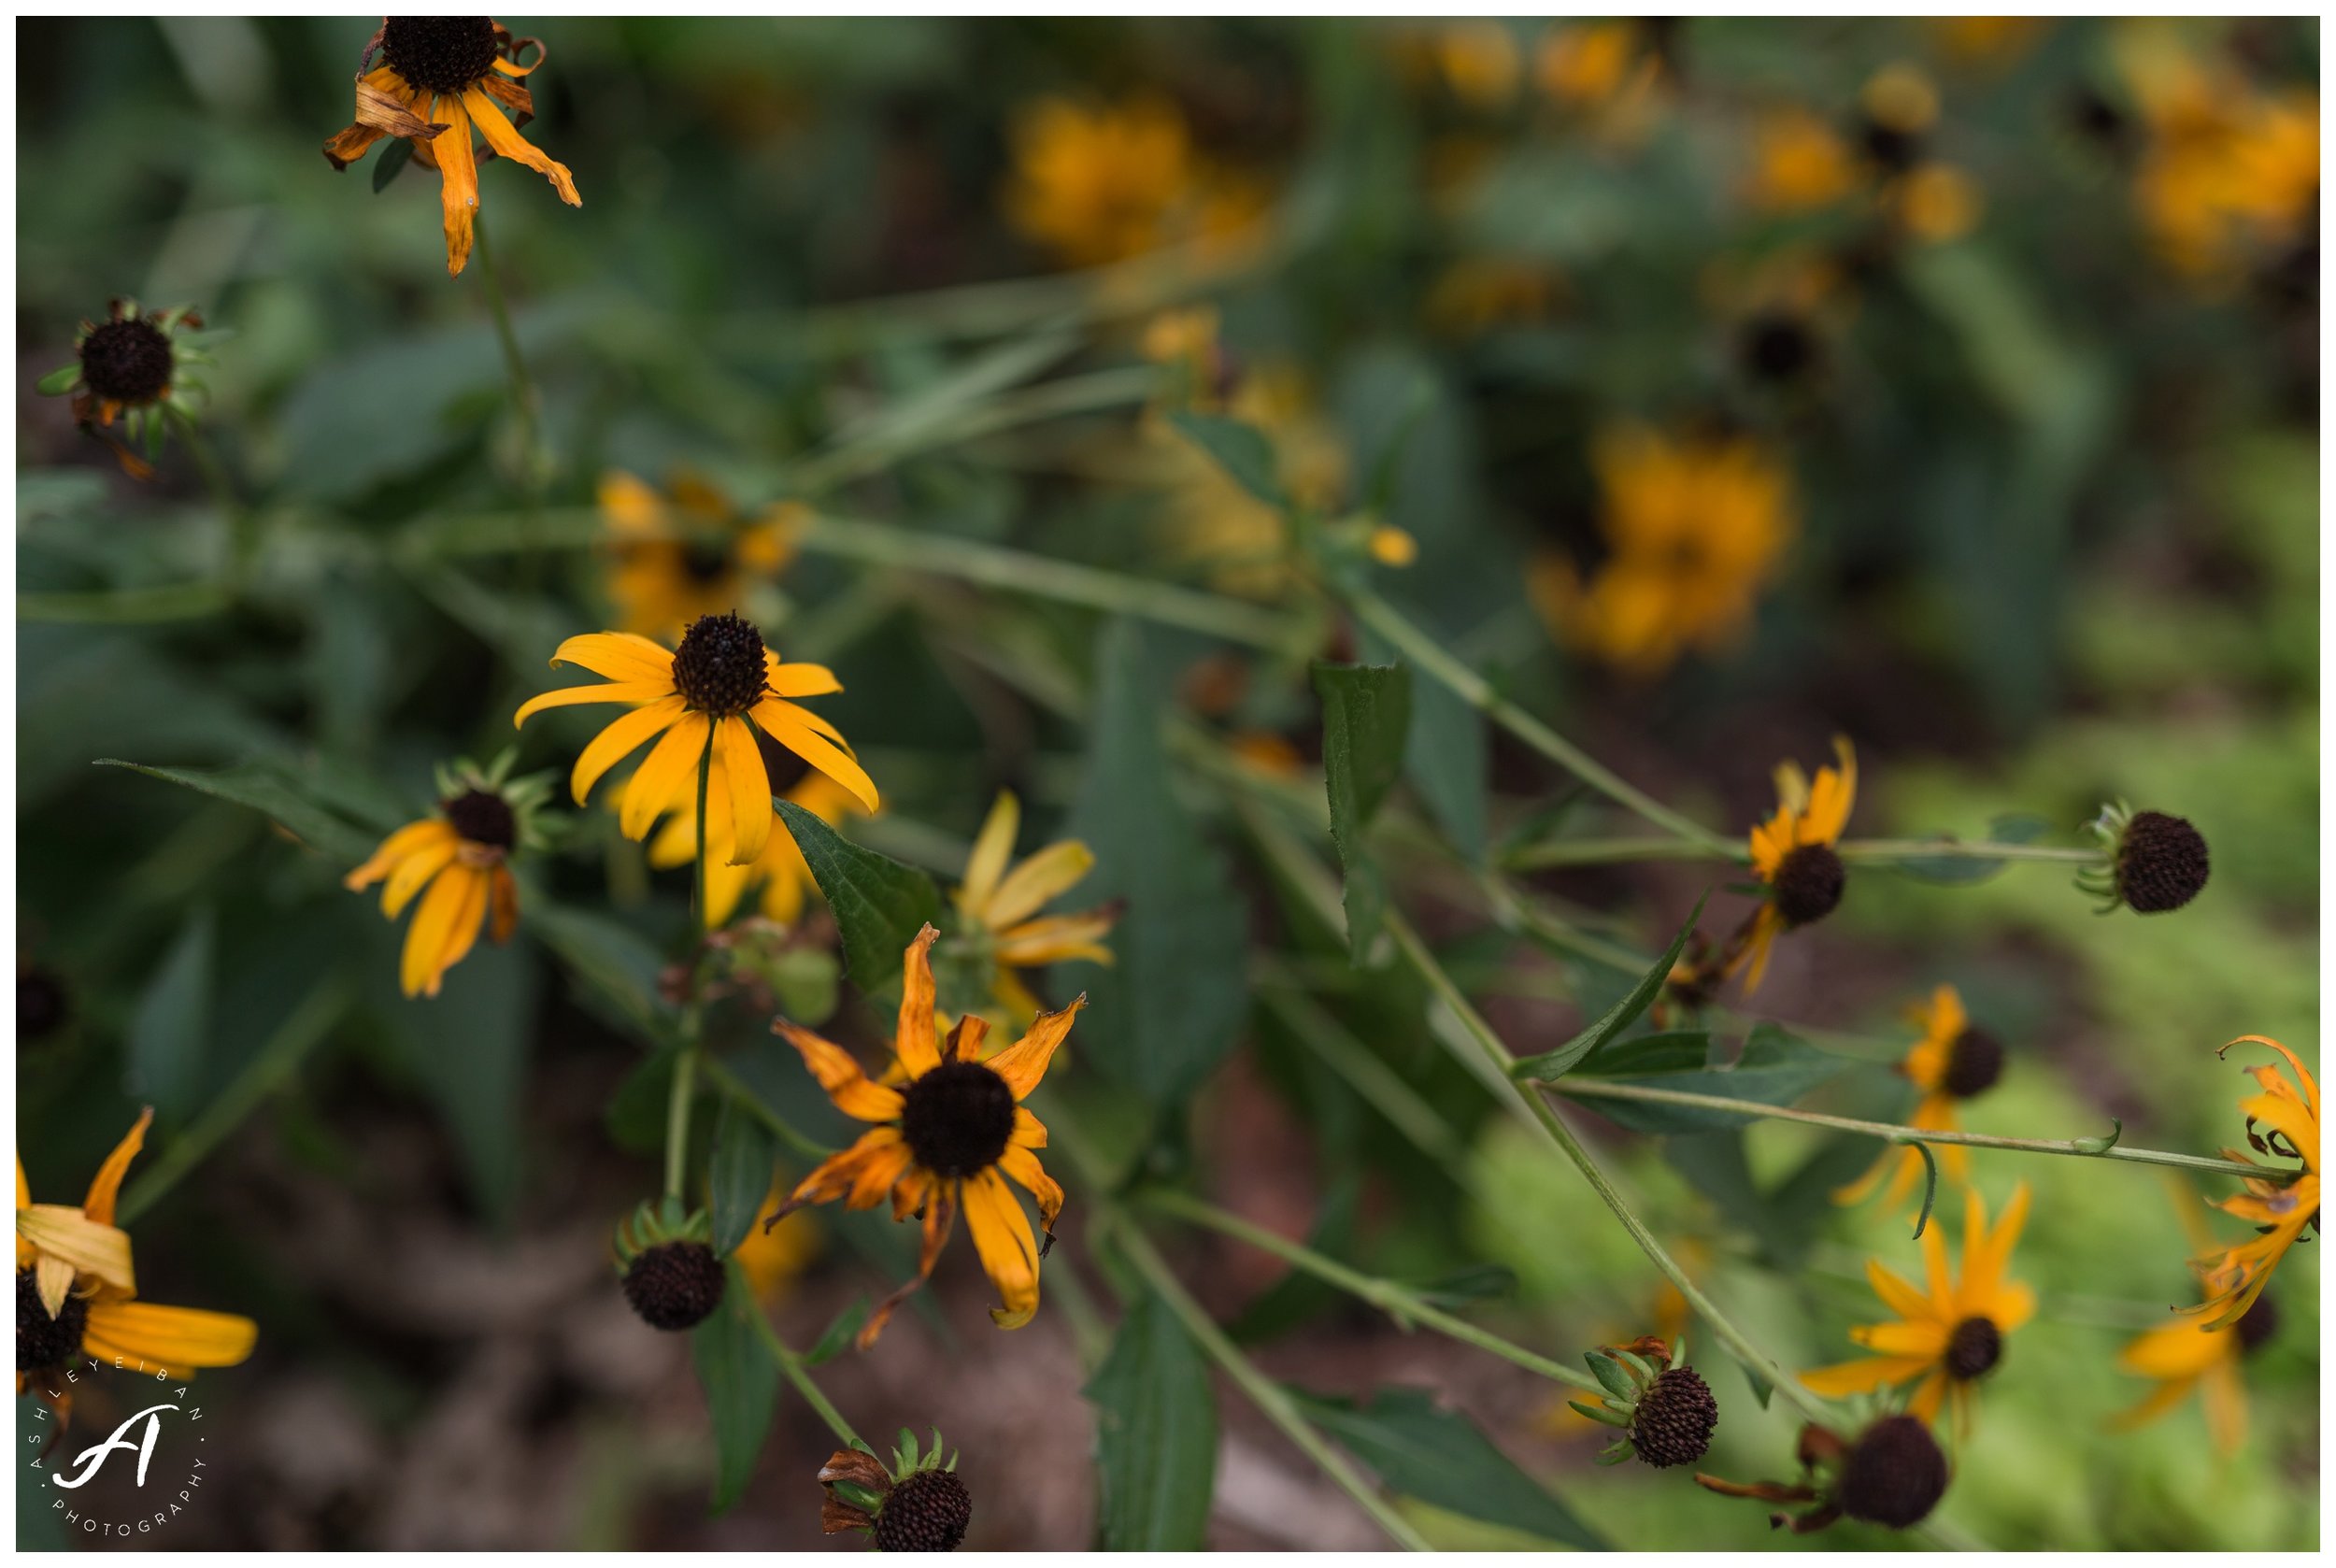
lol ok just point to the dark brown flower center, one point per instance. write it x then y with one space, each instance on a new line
705 563
482 817
1889 147
41 1004
958 1119
719 668
442 54
1895 1474
2257 1324
126 362
928 1512
2162 862
1973 1348
674 1285
1973 1062
44 1343
1777 347
1808 884
1674 1421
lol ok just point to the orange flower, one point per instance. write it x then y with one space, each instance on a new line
2235 1277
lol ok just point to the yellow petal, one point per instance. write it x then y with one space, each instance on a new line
177 1338
52 1279
614 691
1009 1252
64 1232
458 172
415 871
993 847
1056 938
1023 1064
508 142
850 1089
632 508
405 841
916 1039
625 735
620 656
749 792
1023 1165
670 762
1031 884
1924 1340
1863 1377
798 731
457 899
107 1185
801 680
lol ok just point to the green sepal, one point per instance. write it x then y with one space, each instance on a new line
58 381
1618 1453
1603 1412
1610 1372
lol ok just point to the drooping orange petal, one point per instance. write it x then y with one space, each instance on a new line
853 1093
444 927
1009 1252
885 1159
502 902
105 1187
916 1040
1923 1406
1029 1132
416 871
940 1215
1023 1165
396 847
1023 1064
458 173
505 139
2304 1074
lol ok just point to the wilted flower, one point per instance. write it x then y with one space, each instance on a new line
1893 1474
916 1505
2279 1210
2152 862
948 1138
461 855
1663 1407
441 75
132 368
668 1269
76 1289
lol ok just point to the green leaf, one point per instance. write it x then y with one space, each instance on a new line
1242 451
1440 1457
741 1383
1553 1066
1677 1051
1775 1069
468 1048
1953 870
636 1118
274 787
63 379
1445 755
1169 1010
745 1157
1477 1282
838 1337
1366 718
880 904
391 162
170 1034
608 962
1155 1434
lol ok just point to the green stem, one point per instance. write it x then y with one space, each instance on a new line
1425 652
1272 1400
1397 1301
309 1023
798 1373
1614 851
692 1016
879 544
1072 394
1887 850
1581 1088
1491 1053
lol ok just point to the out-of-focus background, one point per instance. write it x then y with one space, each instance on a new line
1949 384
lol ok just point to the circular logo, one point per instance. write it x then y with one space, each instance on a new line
132 1460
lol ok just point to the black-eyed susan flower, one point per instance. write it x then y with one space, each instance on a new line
1892 1473
1793 852
2151 861
667 1267
917 1503
2234 1276
999 927
1952 1062
1951 1335
461 855
780 870
135 369
1663 1407
1800 163
440 77
947 1139
703 700
1695 526
2185 1358
689 552
1098 183
76 1289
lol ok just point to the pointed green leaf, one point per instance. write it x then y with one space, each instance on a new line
880 904
63 379
1606 1414
838 1337
1775 1069
1242 451
1366 717
1553 1066
279 789
170 1034
391 162
1611 1373
745 1157
741 1383
1155 1434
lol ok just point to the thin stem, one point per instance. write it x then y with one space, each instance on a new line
798 1373
1614 851
1425 652
1491 1053
1955 848
278 1060
694 1015
523 387
1272 1400
1397 1301
878 544
1892 1132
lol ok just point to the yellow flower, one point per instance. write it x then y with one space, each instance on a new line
778 1249
785 876
76 1287
688 553
1793 854
1992 41
1950 1337
1480 62
1952 1062
1934 202
442 75
998 904
722 683
2186 1355
1799 162
1695 526
947 1139
1097 184
1212 520
461 855
1588 64
2234 1276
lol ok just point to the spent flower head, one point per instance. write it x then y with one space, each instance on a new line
133 369
916 1504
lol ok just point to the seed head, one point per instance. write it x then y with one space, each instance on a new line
958 1119
127 361
926 1512
2257 1325
2162 862
443 53
1974 1348
1894 1474
44 1343
1674 1418
484 817
1808 884
674 1285
719 668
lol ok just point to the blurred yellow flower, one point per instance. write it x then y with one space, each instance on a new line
1951 1337
440 77
689 552
705 700
76 1285
1098 183
1952 1062
1212 521
1476 293
2234 1276
1992 41
998 907
1799 162
1480 62
1586 64
2183 1357
1793 854
780 869
1934 202
778 1249
1695 526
